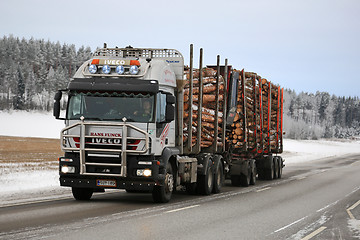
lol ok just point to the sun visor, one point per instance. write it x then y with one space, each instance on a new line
112 84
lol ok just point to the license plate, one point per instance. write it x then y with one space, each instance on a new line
106 183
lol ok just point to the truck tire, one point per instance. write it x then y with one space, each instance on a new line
261 174
276 167
191 188
82 194
235 180
253 174
280 167
162 194
206 182
218 177
269 172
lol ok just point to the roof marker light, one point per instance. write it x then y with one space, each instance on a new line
134 62
95 61
92 69
106 69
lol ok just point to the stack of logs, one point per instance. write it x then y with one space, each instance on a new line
251 129
208 107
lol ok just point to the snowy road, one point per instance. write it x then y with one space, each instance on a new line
312 199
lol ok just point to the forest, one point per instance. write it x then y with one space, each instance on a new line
32 70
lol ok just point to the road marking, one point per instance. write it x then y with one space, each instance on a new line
331 204
263 189
354 162
33 202
180 209
313 234
280 229
45 200
351 208
300 178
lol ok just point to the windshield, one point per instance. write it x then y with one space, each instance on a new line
111 106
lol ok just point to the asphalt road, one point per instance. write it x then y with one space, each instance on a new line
317 200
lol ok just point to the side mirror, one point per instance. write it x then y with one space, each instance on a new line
170 99
56 110
170 109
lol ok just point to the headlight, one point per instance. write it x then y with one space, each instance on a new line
67 169
134 70
120 69
92 68
143 172
106 69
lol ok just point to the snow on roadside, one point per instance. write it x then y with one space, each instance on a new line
30 124
24 184
297 151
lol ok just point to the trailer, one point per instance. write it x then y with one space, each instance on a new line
139 119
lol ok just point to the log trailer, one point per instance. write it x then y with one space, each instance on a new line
138 119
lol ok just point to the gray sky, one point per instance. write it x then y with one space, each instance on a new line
305 45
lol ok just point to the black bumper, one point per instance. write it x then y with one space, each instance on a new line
91 182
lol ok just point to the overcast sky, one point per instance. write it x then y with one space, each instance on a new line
305 45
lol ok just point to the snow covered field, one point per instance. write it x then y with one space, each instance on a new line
44 182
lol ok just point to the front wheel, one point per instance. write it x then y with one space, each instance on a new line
82 194
162 194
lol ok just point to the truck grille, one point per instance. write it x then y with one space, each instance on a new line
105 155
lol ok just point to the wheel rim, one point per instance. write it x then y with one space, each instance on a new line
169 182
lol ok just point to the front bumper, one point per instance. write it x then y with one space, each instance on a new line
121 183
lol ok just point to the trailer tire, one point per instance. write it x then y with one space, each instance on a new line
191 188
280 163
162 194
206 182
218 177
261 174
269 172
82 194
253 175
276 167
235 180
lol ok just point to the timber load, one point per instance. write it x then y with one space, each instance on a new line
257 125
209 96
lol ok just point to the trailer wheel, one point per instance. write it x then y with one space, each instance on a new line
269 172
253 175
235 180
162 194
206 182
276 167
218 177
280 167
191 188
82 194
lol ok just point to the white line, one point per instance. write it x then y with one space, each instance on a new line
180 209
313 234
331 204
45 200
33 202
263 189
280 229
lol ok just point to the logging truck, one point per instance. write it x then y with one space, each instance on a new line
138 119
